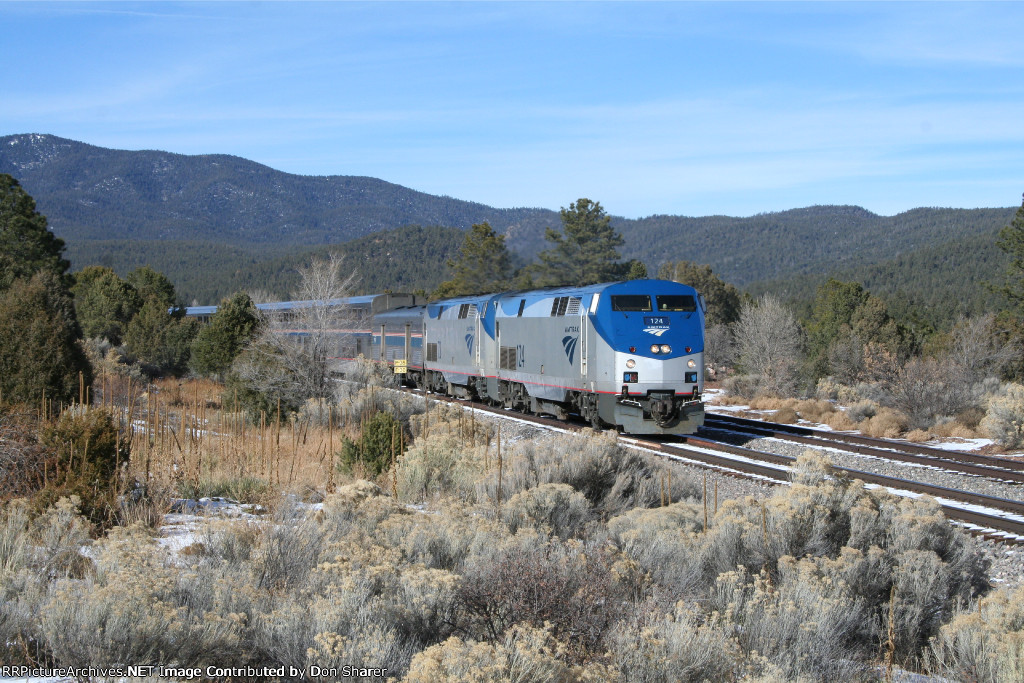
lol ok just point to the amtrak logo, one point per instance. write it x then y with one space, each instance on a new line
469 343
569 344
656 331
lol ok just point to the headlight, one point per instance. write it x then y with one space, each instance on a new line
630 363
691 363
665 348
655 348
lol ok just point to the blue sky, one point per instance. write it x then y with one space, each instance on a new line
649 108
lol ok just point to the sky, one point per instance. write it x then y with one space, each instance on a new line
681 108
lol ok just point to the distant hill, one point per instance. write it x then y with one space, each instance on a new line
810 241
935 284
216 223
93 193
404 259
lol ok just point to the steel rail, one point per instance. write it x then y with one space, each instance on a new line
750 466
822 440
869 445
979 518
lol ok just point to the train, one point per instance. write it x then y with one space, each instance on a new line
624 355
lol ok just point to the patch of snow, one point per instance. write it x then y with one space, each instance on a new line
960 444
726 409
181 525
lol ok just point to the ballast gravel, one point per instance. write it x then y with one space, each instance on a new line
876 465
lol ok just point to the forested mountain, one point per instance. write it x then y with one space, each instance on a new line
936 283
403 259
811 241
215 223
91 193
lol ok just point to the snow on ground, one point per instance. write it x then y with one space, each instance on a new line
956 444
181 525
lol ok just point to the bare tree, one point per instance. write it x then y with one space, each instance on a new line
768 345
324 319
291 359
719 348
925 389
978 349
261 296
846 358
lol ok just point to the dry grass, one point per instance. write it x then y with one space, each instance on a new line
772 403
954 429
582 573
731 400
815 410
840 421
791 410
188 438
796 585
786 415
918 436
886 424
185 439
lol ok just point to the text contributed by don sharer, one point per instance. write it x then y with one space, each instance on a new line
185 674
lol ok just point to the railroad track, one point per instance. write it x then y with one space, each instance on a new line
1000 519
1001 469
1000 515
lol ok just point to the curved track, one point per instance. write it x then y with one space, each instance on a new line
1002 469
987 512
1001 519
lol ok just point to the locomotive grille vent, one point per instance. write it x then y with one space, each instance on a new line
507 358
432 351
468 311
565 305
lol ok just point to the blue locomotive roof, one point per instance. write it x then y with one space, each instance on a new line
539 302
436 308
509 301
621 327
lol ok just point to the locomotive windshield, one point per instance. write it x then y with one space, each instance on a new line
631 302
678 303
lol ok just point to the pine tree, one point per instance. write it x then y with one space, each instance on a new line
585 252
236 322
26 244
844 318
149 283
1011 240
39 352
835 305
723 300
634 270
159 340
482 266
104 303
